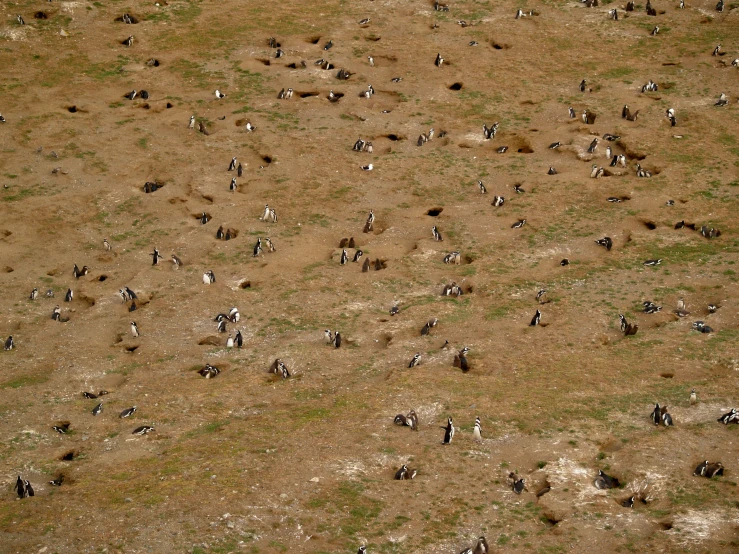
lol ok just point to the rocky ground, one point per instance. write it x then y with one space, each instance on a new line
249 462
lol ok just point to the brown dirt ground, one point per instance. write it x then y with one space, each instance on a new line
249 463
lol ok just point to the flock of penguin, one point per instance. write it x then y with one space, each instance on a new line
660 414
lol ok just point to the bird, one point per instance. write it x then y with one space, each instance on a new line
428 325
135 329
209 277
605 241
176 261
232 187
402 473
34 294
155 257
518 485
9 344
540 296
56 314
131 95
344 257
518 224
239 339
257 248
722 99
498 201
209 371
328 45
329 336
555 145
221 328
651 307
191 125
439 60
219 94
712 470
128 41
62 428
143 430
536 319
476 432
517 188
483 190
412 420
29 489
337 340
394 310
20 487
693 397
652 262
730 417
593 146
368 167
448 431
609 137
720 6
362 550
127 412
107 245
666 418
436 234
564 262
77 272
97 409
604 481
58 481
416 360
583 84
629 502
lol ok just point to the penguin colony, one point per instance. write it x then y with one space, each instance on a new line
607 149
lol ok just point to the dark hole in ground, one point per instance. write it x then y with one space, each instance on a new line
667 375
313 40
132 348
393 137
169 105
102 278
308 94
211 341
433 212
145 106
9 269
372 38
666 525
468 259
649 225
265 61
245 284
499 46
41 15
525 150
207 198
294 65
267 159
456 86
72 109
68 456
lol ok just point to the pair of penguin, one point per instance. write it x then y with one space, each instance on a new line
24 488
410 420
333 338
660 415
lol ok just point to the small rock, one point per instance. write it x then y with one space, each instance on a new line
314 480
128 500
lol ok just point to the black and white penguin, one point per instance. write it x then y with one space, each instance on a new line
155 257
653 262
9 344
629 502
34 294
176 261
402 473
209 371
439 60
337 340
344 257
572 113
730 417
395 310
77 272
713 469
693 397
62 428
357 255
219 94
552 171
448 431
412 420
481 547
400 419
130 95
536 319
517 189
135 329
362 550
29 489
483 190
477 431
498 201
436 234
666 418
520 223
656 415
143 430
20 487
204 218
127 412
56 315
416 360
593 146
257 248
583 85
329 336
604 481
701 469
97 410
232 165
651 307
221 326
209 277
519 484
605 241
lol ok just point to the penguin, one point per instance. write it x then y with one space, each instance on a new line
712 470
80 272
239 170
191 125
412 420
476 432
155 257
221 326
720 6
483 190
701 469
730 417
56 314
604 481
555 145
329 336
436 234
238 339
608 152
448 432
219 94
651 307
337 340
209 277
517 189
498 201
9 344
666 418
439 60
128 412
20 20
209 371
502 149
400 419
693 397
266 214
344 257
609 137
362 550
130 95
20 487
593 146
520 223
97 410
652 262
722 99
58 481
232 187
519 485
204 218
229 341
536 319
564 262
540 296
605 241
416 360
176 261
329 45
257 248
62 428
629 502
481 547
402 473
34 294
656 415
583 84
143 430
29 488
368 167
135 329
357 255
394 310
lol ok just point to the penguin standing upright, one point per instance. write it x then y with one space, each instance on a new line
135 329
448 431
9 344
337 339
536 319
476 432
